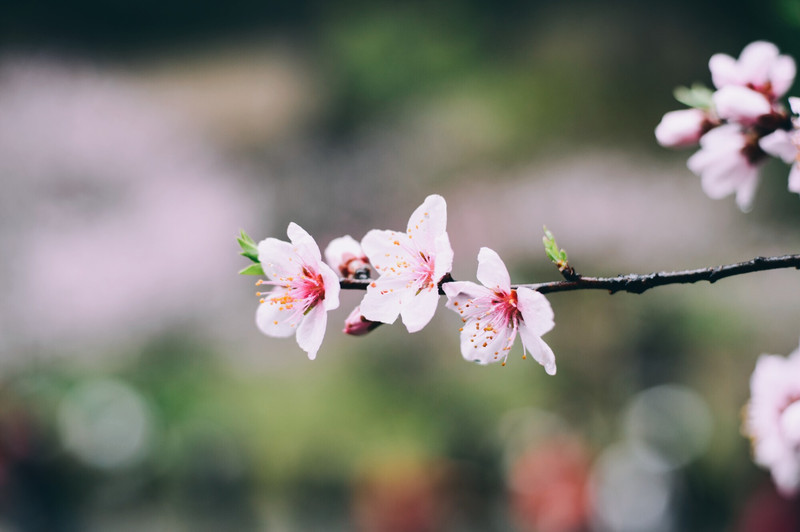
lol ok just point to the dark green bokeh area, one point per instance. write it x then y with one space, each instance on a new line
200 423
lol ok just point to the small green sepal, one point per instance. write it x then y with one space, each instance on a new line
253 269
697 96
248 245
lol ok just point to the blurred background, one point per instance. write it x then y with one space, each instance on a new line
136 393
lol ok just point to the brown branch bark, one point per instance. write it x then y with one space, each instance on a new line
636 283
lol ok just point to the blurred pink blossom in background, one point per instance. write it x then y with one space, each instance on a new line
773 418
117 215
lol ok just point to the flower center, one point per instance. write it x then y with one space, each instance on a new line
505 306
423 272
310 289
307 290
765 89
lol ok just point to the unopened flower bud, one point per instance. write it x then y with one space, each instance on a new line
681 128
358 325
344 254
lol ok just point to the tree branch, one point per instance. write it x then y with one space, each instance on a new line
634 283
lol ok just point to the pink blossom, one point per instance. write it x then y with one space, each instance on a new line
344 255
786 145
726 163
760 67
305 289
773 418
358 325
410 265
681 128
493 314
740 104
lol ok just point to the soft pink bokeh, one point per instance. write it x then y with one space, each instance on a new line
118 217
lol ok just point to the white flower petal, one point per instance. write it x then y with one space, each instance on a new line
332 288
782 75
537 314
722 166
312 330
786 474
443 257
768 368
779 143
386 251
727 137
304 245
794 178
492 271
746 190
277 258
275 319
383 299
723 70
730 175
794 103
427 222
755 62
485 346
538 349
720 176
418 309
461 296
740 104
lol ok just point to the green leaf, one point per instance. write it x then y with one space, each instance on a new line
253 269
250 255
559 257
248 245
244 236
698 96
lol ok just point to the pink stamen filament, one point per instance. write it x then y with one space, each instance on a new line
503 312
412 264
301 293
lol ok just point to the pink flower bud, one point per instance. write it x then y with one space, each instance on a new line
358 325
681 128
344 254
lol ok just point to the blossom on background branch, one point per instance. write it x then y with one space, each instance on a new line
733 123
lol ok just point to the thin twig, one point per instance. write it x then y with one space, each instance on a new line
636 284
